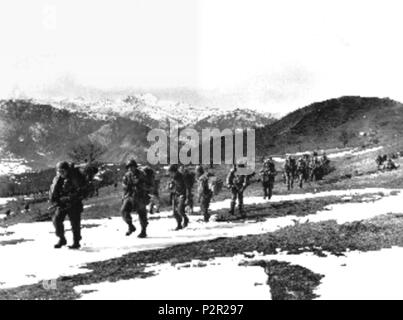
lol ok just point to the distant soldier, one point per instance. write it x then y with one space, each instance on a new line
135 198
268 174
178 192
66 195
237 183
189 179
302 171
290 168
204 192
314 168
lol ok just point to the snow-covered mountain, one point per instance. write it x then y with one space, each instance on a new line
235 119
153 112
145 108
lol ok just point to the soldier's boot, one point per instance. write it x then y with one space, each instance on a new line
232 208
143 233
185 221
270 192
132 229
62 242
143 223
178 221
76 245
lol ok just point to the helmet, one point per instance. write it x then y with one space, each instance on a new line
131 163
63 165
173 168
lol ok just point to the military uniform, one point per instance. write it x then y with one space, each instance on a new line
135 198
302 171
314 168
189 180
178 189
237 184
204 193
289 172
66 196
268 174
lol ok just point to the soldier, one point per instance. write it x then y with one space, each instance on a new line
204 192
237 184
268 174
314 168
135 198
289 171
66 196
189 179
302 169
178 192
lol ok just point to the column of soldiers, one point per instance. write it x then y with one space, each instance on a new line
306 168
141 188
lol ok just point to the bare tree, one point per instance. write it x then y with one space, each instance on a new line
87 151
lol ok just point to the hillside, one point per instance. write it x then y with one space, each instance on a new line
42 134
236 119
360 121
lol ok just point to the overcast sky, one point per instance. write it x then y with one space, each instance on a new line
269 55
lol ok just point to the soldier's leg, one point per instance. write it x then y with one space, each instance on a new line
189 198
234 196
288 181
265 194
240 204
271 185
75 221
142 212
182 211
125 210
204 207
58 220
177 216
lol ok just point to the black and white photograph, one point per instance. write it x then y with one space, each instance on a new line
215 152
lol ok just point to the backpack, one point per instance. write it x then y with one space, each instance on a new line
189 179
149 175
215 185
80 179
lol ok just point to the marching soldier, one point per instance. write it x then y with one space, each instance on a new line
66 196
268 174
189 179
178 191
314 168
204 192
302 171
289 172
135 198
237 184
